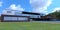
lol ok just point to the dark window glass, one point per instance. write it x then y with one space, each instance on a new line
8 11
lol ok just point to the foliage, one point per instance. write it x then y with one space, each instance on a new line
55 14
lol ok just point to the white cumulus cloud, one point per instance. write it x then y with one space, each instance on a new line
16 7
40 6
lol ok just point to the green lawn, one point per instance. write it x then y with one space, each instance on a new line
28 26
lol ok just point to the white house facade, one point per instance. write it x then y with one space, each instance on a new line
19 13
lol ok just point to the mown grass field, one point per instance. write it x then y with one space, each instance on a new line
28 26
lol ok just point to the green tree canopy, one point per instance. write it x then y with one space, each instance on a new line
55 14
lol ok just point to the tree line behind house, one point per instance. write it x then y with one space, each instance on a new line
55 14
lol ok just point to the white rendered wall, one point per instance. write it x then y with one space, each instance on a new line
6 12
13 12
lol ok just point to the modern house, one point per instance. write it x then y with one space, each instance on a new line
14 15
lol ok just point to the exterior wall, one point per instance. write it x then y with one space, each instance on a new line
8 12
11 12
14 18
31 16
20 13
35 16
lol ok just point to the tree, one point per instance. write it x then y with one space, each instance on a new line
55 14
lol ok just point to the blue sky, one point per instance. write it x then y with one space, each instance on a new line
27 6
55 4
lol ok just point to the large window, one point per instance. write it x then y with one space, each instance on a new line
34 16
15 18
8 11
22 18
31 16
10 18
